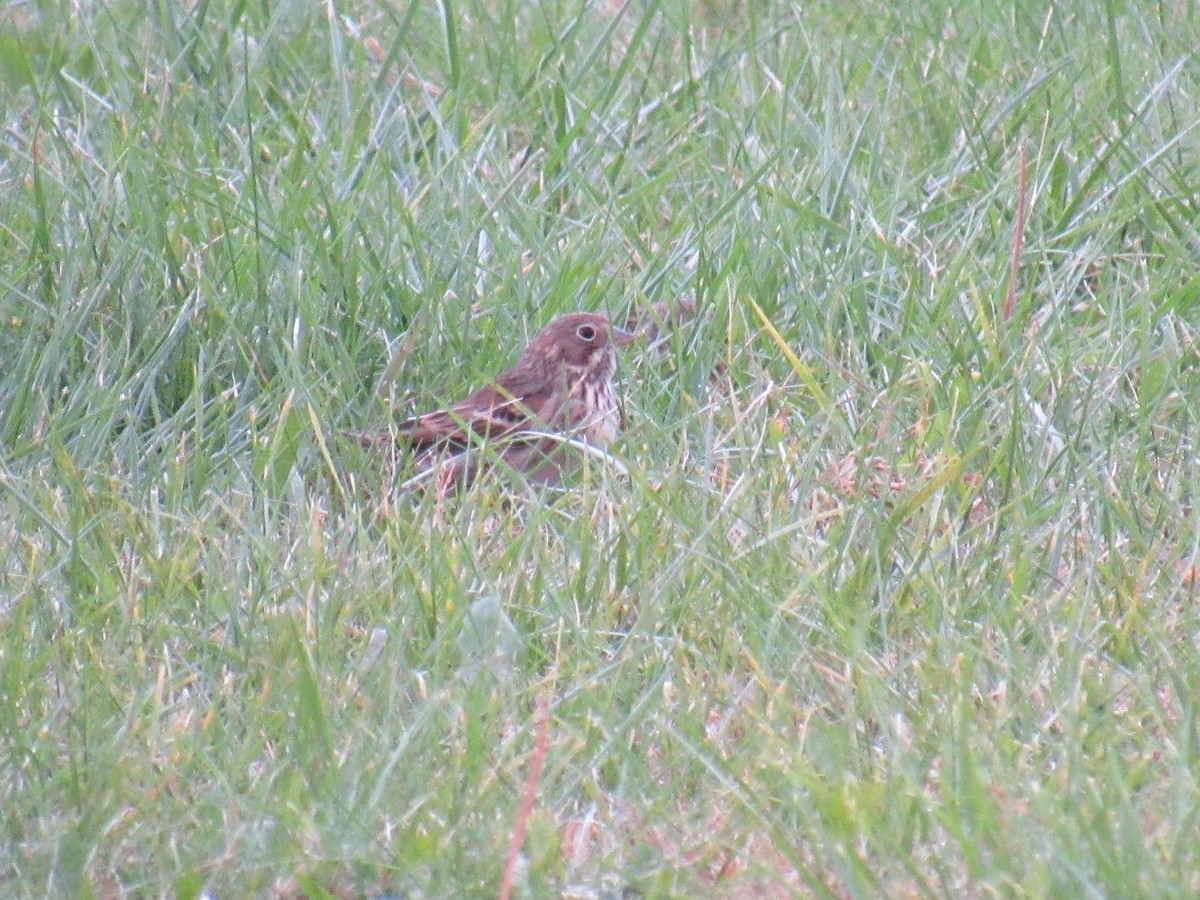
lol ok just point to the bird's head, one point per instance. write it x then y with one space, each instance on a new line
581 340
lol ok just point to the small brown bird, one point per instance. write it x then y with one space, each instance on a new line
561 387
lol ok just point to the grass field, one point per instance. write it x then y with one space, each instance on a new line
898 598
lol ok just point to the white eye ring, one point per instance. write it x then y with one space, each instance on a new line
587 332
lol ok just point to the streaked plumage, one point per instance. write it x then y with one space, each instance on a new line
562 385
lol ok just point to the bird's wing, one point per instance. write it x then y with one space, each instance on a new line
513 403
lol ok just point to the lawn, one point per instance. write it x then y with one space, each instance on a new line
889 591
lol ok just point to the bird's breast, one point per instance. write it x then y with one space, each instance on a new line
594 414
603 430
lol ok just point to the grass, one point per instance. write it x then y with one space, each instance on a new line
898 598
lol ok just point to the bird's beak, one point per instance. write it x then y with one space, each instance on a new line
621 337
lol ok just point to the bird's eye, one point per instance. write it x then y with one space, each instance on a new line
587 332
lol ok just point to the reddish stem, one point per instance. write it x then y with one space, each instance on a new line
541 747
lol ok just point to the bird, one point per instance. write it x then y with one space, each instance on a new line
561 388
